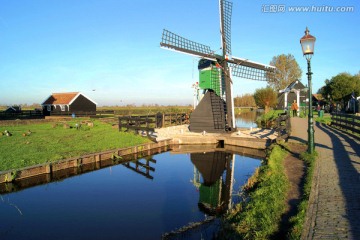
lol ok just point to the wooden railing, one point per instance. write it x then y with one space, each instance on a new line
346 121
283 126
24 114
148 123
143 169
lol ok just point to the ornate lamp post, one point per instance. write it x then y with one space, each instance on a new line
307 44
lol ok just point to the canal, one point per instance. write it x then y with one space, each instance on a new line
247 119
129 201
150 198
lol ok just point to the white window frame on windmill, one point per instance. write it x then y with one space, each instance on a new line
62 107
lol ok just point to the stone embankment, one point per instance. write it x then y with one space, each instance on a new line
252 138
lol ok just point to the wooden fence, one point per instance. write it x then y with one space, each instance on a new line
346 121
24 114
36 114
148 123
283 126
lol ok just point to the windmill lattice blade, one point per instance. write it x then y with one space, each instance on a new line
172 41
264 74
225 19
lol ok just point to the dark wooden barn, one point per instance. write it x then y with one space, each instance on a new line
71 102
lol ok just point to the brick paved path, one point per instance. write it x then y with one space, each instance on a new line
334 205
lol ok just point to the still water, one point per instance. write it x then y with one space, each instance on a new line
143 199
247 119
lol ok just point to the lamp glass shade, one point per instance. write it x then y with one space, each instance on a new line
308 46
307 43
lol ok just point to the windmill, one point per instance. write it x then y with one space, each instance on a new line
215 112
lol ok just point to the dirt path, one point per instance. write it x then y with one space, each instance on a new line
295 171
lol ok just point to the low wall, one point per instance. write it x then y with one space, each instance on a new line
255 143
13 180
94 161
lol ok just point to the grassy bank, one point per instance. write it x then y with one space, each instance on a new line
258 217
265 120
297 221
49 142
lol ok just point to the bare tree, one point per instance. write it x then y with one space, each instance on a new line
288 71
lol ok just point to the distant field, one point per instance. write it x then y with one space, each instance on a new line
49 142
126 110
148 110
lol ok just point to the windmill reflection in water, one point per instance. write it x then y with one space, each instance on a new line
215 190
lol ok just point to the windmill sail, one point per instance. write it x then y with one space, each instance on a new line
245 68
175 42
225 25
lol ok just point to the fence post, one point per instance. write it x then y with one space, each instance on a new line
159 118
147 125
128 123
119 125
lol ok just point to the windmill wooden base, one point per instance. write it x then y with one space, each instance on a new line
209 115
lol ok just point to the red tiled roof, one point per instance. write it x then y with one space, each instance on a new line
61 98
318 96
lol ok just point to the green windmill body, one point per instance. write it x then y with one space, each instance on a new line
210 77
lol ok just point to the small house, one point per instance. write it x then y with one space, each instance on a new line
67 103
294 91
13 109
318 99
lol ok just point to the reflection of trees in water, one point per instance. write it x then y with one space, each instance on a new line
249 116
247 119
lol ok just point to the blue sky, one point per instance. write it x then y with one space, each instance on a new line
113 46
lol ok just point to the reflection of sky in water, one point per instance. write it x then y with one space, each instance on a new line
246 119
112 203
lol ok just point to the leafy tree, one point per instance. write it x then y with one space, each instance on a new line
341 86
265 98
246 100
288 71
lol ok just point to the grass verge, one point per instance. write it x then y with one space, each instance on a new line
266 120
298 220
326 119
258 217
48 142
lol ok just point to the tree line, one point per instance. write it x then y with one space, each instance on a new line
339 89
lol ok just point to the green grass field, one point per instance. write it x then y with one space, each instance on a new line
48 143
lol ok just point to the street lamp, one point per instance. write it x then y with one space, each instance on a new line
307 44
